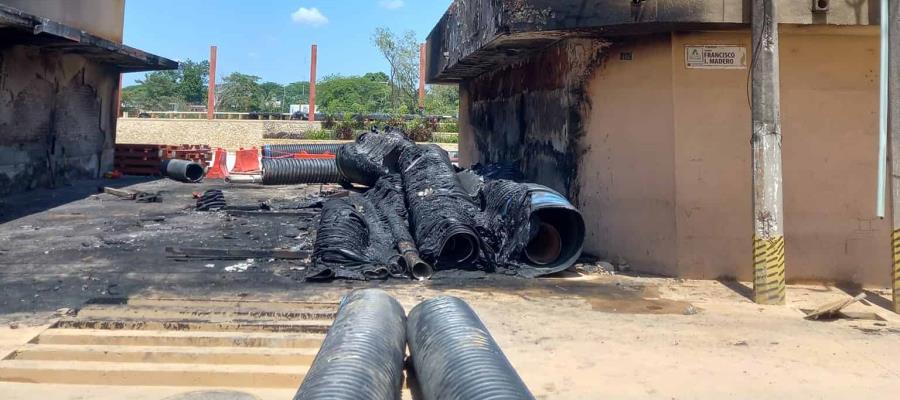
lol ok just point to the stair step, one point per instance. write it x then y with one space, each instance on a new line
178 338
166 354
131 374
210 314
303 326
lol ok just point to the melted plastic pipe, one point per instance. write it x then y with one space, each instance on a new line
558 237
362 355
182 170
455 357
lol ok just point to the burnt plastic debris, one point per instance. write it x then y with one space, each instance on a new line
421 215
455 357
211 200
362 355
529 228
367 237
291 171
182 171
288 150
371 157
442 214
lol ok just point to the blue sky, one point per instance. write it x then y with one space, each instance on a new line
272 38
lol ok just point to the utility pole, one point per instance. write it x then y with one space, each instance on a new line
768 202
211 93
892 18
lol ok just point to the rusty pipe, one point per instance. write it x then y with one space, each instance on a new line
418 268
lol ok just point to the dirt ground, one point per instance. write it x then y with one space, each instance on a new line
603 335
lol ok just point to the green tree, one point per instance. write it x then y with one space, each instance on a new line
353 94
442 100
269 97
296 93
238 93
193 81
402 54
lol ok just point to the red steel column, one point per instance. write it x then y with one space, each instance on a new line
211 95
312 83
119 99
422 76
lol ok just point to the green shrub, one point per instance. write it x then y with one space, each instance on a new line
449 127
319 134
420 130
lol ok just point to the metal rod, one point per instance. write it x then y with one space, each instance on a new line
768 201
883 112
211 94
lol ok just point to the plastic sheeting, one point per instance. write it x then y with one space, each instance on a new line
371 157
360 237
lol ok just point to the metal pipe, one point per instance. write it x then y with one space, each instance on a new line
455 357
243 179
418 268
362 355
883 110
182 170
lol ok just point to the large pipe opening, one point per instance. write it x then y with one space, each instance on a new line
460 248
557 237
193 172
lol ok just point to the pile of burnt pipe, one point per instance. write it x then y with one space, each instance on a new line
414 213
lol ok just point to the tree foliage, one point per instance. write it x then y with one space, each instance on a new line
402 54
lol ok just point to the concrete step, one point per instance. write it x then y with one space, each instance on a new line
167 355
274 305
178 338
134 374
199 314
302 326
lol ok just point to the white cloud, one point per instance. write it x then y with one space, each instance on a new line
309 16
391 4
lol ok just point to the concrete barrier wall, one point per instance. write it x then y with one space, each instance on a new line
228 134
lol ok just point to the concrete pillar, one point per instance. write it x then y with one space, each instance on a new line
894 135
211 94
312 83
768 201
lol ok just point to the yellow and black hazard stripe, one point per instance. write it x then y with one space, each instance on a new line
895 276
768 270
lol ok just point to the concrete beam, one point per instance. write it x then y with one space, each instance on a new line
475 36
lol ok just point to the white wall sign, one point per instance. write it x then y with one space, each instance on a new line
715 57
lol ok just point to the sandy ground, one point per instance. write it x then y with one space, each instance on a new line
570 337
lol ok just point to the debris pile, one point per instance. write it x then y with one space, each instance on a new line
421 214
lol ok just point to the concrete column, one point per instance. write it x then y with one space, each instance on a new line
312 83
768 202
211 94
894 135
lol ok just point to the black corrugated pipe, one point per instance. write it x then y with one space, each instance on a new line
557 232
281 150
362 355
455 357
442 213
289 171
182 170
